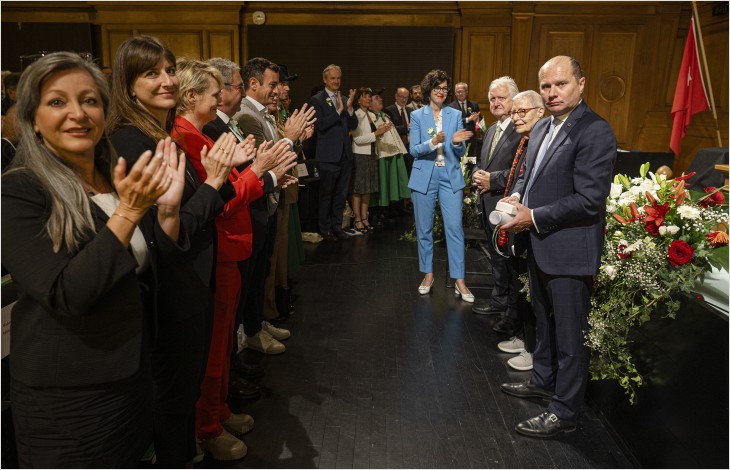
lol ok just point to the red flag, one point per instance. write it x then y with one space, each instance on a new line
690 96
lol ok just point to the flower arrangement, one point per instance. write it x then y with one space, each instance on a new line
660 238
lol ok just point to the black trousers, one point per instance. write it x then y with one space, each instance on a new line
334 182
178 365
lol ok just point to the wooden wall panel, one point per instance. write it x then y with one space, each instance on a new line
611 73
631 46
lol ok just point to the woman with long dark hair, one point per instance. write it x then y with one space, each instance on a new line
82 245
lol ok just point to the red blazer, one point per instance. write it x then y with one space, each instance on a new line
235 236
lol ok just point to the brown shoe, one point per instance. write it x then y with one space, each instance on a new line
238 424
265 343
278 334
224 447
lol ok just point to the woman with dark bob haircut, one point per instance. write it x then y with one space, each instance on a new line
437 144
82 241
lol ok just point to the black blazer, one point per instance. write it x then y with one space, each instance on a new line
474 106
79 317
333 138
400 126
187 281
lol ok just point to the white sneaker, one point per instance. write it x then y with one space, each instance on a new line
513 346
521 362
278 334
265 343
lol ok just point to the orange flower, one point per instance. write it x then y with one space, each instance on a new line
717 239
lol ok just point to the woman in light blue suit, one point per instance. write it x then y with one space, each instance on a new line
437 145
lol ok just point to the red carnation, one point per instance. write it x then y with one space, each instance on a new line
680 253
620 252
717 239
714 199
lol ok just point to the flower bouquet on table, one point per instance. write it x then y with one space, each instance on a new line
660 238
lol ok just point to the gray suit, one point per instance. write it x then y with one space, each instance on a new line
252 121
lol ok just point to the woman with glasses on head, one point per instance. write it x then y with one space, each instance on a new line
82 241
437 144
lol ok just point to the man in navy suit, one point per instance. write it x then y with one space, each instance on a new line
563 204
335 118
469 112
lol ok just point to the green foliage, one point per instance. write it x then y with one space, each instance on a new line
637 281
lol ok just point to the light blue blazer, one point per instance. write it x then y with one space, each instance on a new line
423 164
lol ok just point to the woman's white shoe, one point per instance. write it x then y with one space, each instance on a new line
469 298
425 289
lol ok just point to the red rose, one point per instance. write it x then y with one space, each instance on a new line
652 228
680 253
715 199
620 252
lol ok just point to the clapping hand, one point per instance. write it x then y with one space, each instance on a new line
218 161
473 117
438 138
351 98
287 180
171 199
145 183
268 156
460 136
245 151
298 122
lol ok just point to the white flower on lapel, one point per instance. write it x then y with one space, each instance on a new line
468 110
431 132
329 101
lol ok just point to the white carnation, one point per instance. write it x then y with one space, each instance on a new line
616 190
610 271
688 212
672 229
662 230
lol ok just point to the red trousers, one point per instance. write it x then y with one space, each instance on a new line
211 407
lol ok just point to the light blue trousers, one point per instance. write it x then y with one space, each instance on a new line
450 202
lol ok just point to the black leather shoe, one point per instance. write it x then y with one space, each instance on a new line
506 325
525 390
328 237
243 389
249 371
544 426
340 235
486 309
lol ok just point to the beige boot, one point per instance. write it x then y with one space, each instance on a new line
224 447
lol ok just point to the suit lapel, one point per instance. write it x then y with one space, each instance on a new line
486 145
563 132
257 115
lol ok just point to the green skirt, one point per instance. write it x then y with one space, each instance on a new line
393 181
296 245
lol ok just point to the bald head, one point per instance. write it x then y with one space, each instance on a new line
561 84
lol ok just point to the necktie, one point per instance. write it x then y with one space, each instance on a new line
463 107
334 100
540 155
497 135
272 125
404 121
233 125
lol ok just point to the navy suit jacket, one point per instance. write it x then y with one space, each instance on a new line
333 139
568 196
474 106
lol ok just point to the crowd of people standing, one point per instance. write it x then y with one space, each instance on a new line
148 219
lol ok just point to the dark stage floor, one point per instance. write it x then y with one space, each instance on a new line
377 376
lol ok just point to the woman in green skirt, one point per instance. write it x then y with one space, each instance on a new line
393 175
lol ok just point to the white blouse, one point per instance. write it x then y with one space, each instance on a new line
108 203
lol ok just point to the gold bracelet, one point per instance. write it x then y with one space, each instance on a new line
125 217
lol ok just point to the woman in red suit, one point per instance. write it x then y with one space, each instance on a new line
200 86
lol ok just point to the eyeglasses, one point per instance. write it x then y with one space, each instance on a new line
238 87
442 89
521 112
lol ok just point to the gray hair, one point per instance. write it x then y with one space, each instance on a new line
466 85
226 67
532 97
331 67
505 81
575 68
70 222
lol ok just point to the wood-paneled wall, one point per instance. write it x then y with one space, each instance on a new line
630 51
